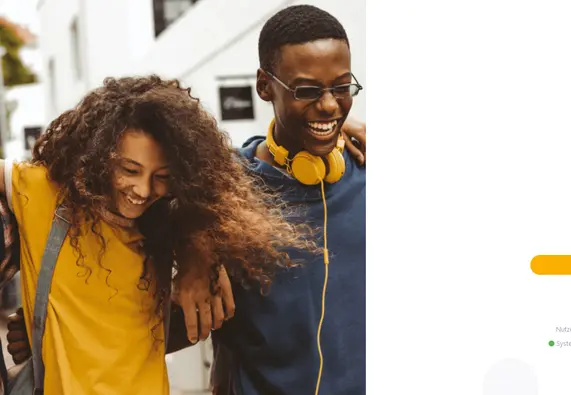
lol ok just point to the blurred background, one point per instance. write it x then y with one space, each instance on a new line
54 51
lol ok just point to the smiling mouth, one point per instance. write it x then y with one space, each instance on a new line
135 201
322 129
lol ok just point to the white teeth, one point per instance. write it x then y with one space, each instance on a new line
134 201
322 127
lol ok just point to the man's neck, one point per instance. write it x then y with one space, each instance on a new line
263 153
284 139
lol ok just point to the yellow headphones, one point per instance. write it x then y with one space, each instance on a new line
305 167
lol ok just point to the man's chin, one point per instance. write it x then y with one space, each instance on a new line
321 149
321 146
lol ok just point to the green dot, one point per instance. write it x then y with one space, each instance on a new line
551 343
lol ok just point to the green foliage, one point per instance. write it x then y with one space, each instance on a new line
15 72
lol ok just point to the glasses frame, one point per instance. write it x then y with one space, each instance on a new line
322 90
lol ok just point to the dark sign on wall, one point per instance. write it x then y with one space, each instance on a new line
31 134
236 103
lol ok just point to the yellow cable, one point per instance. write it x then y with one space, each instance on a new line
326 261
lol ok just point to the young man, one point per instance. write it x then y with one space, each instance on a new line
271 345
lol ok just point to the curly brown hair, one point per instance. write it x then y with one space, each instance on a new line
215 212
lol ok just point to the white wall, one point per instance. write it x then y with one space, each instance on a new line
55 42
118 34
188 369
214 38
28 113
113 35
220 38
28 99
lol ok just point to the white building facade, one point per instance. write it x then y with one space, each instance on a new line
25 103
210 45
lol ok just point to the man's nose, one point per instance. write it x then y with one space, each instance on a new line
327 103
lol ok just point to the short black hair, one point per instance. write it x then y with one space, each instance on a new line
297 24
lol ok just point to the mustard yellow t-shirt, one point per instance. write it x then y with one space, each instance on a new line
99 336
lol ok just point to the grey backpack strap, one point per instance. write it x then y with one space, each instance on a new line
58 232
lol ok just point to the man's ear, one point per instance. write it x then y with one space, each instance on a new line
263 86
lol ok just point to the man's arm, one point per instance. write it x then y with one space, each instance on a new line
18 344
9 240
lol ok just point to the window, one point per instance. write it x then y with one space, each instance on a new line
168 11
75 50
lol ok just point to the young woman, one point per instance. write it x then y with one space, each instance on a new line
147 180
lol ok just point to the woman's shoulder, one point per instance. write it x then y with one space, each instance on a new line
27 173
27 166
25 180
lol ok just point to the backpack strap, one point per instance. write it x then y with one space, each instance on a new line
58 232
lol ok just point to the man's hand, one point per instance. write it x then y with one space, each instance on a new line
358 131
203 311
18 345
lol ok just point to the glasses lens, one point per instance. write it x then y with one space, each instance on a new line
307 92
345 91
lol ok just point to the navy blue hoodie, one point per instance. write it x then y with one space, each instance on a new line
273 337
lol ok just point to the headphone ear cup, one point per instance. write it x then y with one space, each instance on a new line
308 169
336 164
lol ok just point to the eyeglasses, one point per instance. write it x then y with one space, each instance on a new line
311 93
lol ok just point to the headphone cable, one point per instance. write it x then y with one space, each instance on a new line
326 261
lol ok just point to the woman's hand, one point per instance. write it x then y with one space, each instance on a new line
203 311
353 129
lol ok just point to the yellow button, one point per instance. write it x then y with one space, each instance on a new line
551 264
